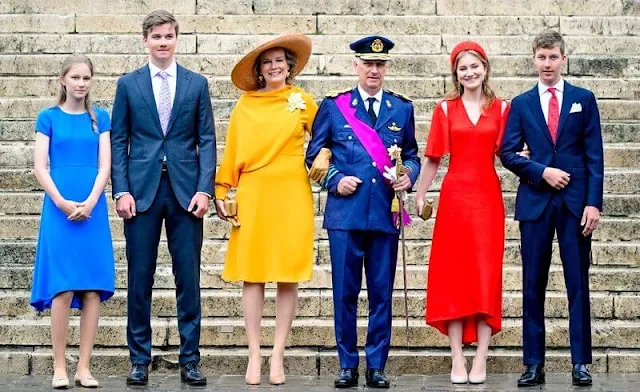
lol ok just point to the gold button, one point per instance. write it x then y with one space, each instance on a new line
373 180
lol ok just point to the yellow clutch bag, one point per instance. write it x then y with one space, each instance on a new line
231 207
427 210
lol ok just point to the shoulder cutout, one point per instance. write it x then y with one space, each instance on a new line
444 106
504 107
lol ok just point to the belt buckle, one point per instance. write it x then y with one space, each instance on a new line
164 167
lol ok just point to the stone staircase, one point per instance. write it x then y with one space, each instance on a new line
603 38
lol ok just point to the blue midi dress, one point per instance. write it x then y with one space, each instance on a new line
72 255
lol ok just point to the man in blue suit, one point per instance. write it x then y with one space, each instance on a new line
352 125
163 166
560 191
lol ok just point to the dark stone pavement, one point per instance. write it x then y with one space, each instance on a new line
495 383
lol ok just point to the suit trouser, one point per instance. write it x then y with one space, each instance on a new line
184 237
575 252
378 252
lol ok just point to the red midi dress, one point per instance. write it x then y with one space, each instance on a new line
465 265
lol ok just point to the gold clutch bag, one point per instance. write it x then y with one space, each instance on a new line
231 207
427 210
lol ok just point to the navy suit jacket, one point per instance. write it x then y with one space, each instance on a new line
578 151
369 207
139 146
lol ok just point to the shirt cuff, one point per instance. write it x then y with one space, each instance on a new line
204 193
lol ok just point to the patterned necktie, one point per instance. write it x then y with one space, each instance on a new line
372 113
164 106
554 114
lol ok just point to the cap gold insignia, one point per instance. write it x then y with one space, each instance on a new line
377 45
394 128
354 102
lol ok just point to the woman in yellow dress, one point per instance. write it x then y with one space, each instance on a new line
272 236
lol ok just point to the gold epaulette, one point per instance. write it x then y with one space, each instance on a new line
335 93
399 95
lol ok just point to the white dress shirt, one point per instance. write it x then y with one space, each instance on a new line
545 97
376 105
156 81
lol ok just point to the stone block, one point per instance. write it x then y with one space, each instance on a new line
626 306
588 45
34 23
623 361
526 8
15 362
434 25
214 7
610 66
616 25
95 7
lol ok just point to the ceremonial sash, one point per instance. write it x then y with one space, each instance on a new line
371 142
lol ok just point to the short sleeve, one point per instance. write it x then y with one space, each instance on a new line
503 122
104 122
43 122
438 139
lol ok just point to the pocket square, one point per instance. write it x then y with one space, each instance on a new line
576 107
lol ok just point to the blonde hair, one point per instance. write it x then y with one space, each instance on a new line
70 62
549 39
457 89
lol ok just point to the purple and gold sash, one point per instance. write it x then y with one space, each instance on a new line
371 142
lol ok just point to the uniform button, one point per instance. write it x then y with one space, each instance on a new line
350 137
395 140
374 164
373 180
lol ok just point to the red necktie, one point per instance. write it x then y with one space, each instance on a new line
554 114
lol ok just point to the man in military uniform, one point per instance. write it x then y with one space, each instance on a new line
355 128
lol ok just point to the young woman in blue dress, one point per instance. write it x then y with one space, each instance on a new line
74 264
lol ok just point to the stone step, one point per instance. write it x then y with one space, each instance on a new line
616 155
329 7
308 361
612 132
616 181
325 64
28 108
610 229
317 332
104 87
322 44
319 303
30 203
602 278
417 253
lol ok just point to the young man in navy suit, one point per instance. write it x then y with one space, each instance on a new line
560 192
163 166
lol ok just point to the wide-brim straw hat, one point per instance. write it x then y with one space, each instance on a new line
244 75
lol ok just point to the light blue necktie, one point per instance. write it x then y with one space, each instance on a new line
164 106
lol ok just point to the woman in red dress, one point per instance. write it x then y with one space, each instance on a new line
464 297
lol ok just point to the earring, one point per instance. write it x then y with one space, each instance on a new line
261 78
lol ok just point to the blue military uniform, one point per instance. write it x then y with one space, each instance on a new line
360 226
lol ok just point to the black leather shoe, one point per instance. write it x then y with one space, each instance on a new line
139 375
533 375
191 375
347 378
580 375
376 379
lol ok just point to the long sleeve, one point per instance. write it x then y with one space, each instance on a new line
120 133
206 142
410 149
513 142
595 154
228 175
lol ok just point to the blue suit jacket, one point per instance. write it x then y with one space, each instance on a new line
369 207
578 151
138 144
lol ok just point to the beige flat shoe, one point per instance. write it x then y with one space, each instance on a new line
60 382
86 382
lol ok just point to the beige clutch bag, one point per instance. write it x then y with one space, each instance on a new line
231 207
427 210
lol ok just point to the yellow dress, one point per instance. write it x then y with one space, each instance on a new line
264 160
